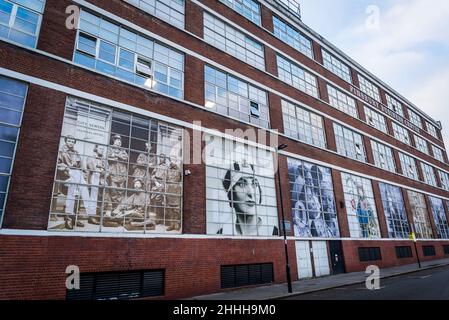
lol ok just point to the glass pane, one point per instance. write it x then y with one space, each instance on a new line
5 165
6 149
26 21
8 133
10 117
4 183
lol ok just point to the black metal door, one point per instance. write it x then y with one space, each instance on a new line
336 257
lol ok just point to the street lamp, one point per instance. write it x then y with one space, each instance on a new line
287 264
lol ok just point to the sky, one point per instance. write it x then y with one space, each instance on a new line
403 42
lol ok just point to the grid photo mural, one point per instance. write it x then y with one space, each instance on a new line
313 202
439 216
395 213
116 172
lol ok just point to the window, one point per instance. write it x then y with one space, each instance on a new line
401 133
376 120
446 250
171 11
12 103
246 275
409 167
342 101
297 77
404 252
432 130
394 105
248 8
116 172
421 221
444 177
393 203
336 66
114 50
429 174
119 285
421 144
438 153
240 189
292 37
439 217
20 20
360 207
230 96
415 118
369 254
303 125
369 88
429 251
312 200
383 156
233 42
349 143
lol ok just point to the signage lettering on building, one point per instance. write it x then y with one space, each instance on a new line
384 109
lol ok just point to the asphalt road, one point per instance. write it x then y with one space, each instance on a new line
430 284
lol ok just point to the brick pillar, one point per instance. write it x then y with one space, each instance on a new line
389 126
286 196
420 172
361 110
194 80
267 18
271 61
194 21
340 204
437 177
399 168
322 87
368 150
380 210
432 221
317 53
383 96
330 136
355 78
276 117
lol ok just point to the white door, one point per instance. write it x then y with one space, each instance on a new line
303 260
320 258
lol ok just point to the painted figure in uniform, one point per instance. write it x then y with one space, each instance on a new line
173 190
118 170
158 180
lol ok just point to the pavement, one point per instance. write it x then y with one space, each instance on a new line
279 291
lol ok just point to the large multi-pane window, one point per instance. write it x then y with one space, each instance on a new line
292 37
421 144
438 153
429 174
401 133
439 216
376 120
349 143
233 42
394 208
432 130
415 118
116 172
20 20
421 221
369 88
312 200
360 207
114 50
240 189
171 11
383 156
12 101
395 106
444 178
336 66
297 77
342 101
233 97
409 167
303 125
250 9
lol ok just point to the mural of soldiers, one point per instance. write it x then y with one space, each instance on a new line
97 177
158 180
173 211
118 169
70 166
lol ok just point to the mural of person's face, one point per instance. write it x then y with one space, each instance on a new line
313 203
70 143
138 185
118 142
100 151
246 195
141 160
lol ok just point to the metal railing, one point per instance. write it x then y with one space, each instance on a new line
291 5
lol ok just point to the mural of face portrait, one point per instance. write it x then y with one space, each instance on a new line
241 196
313 201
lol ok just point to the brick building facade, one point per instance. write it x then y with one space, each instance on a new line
364 167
